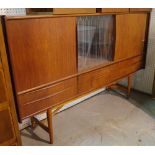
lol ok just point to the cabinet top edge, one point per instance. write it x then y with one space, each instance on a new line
69 15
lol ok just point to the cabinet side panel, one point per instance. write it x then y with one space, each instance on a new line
3 97
9 131
6 130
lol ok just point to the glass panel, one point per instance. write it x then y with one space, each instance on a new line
95 40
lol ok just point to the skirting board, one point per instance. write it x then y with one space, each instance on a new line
27 122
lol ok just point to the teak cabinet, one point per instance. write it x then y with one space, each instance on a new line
56 58
44 53
9 133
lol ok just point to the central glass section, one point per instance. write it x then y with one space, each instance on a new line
95 35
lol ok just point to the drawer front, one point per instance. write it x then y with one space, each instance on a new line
106 75
85 82
104 80
3 97
6 130
39 100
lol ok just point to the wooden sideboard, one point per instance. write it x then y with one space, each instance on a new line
9 132
57 58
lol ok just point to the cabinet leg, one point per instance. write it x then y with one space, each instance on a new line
33 123
129 86
50 125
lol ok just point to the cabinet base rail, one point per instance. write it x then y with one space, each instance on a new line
127 89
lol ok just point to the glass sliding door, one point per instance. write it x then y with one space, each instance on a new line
95 36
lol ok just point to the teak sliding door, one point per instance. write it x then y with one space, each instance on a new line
130 35
42 50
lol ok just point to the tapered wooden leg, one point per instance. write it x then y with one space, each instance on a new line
129 86
50 125
33 123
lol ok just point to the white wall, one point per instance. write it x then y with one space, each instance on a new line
13 12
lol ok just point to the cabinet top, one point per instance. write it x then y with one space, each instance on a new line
69 15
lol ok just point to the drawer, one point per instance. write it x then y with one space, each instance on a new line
108 74
114 72
85 82
3 97
39 100
73 10
5 126
115 75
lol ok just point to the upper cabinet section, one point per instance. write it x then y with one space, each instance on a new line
73 10
140 9
95 37
113 10
122 10
42 50
130 35
78 11
60 11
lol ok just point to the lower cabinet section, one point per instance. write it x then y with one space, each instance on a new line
39 100
6 129
36 101
106 75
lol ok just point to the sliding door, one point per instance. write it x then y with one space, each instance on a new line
42 50
95 37
130 35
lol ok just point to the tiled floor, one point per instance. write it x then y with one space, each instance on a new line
105 119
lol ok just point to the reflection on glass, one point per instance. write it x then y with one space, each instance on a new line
95 40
